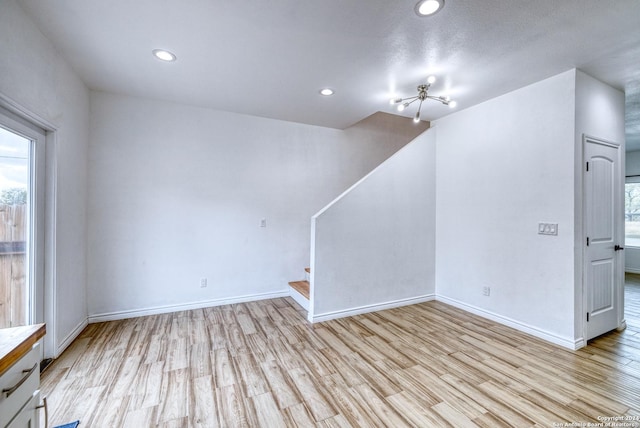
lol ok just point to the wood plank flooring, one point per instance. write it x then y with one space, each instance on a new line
260 364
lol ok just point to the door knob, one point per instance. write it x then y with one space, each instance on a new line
618 248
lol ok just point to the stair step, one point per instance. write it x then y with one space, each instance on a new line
301 287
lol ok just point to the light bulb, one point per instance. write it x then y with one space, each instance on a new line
163 55
431 79
452 104
417 118
428 7
326 92
401 107
395 100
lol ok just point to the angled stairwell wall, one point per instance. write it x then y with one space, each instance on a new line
374 246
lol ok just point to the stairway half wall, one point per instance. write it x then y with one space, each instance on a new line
373 247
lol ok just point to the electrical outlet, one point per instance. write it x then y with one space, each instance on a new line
203 282
486 291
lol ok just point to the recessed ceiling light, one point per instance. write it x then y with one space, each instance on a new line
428 7
163 55
326 92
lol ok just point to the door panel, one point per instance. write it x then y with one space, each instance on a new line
603 227
602 272
602 199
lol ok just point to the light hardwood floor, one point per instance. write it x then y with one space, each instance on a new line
260 364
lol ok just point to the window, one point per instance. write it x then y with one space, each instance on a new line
21 221
632 214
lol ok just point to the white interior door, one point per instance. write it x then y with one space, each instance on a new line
603 274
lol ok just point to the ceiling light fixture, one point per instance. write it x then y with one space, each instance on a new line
428 7
326 92
164 55
403 103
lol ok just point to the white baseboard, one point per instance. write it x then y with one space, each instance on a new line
370 308
70 338
134 313
534 331
579 343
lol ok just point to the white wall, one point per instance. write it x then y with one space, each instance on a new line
374 246
632 254
33 75
177 194
599 114
502 167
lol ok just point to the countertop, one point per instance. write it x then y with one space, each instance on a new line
15 342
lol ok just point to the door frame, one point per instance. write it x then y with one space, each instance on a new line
50 347
619 200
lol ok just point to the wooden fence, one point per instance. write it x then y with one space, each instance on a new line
13 292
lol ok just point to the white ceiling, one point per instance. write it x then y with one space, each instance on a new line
271 58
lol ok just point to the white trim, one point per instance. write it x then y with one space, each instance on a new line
631 270
534 331
15 107
371 308
134 313
299 298
50 264
312 274
64 344
579 343
509 322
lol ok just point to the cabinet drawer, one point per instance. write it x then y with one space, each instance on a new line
29 415
18 384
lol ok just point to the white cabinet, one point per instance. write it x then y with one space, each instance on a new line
28 416
20 392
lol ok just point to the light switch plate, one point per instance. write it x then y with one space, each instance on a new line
547 228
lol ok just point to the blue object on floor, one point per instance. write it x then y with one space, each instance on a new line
69 425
